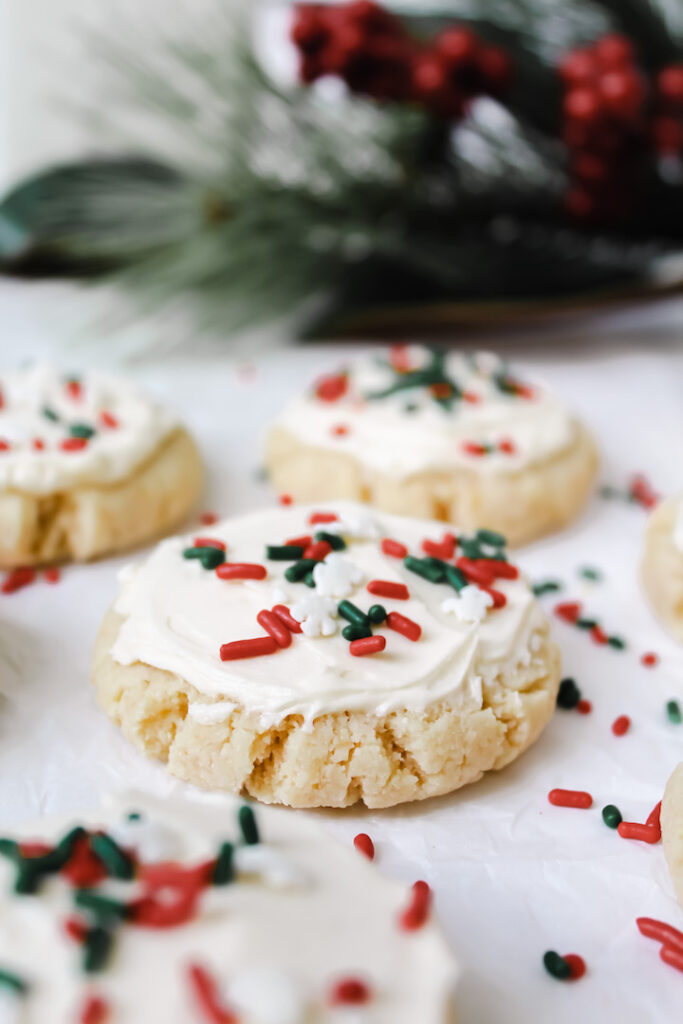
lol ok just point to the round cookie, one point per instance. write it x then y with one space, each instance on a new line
169 912
662 565
672 829
448 436
328 656
88 465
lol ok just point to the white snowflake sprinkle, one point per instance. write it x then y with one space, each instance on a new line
358 527
336 576
470 605
317 615
150 840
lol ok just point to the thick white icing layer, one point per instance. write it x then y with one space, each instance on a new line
302 913
177 615
32 458
384 436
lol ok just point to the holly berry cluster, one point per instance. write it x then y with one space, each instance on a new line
371 50
667 122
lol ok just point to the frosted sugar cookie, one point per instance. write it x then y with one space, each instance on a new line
317 656
445 435
662 566
171 912
672 829
88 465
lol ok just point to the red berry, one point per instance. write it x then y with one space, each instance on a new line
667 134
579 203
670 84
429 75
496 69
459 45
623 93
583 104
613 51
578 67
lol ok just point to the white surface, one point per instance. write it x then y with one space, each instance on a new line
513 876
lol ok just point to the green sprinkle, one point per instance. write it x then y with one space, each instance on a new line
586 623
410 407
351 633
556 965
455 577
336 542
10 980
9 848
81 430
116 861
611 816
377 613
224 871
104 908
497 540
546 587
568 695
134 816
28 878
247 822
49 414
97 949
64 847
353 614
284 552
193 552
309 579
295 573
673 712
470 548
616 642
425 568
589 573
211 558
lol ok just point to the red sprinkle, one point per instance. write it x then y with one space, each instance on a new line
569 611
254 648
442 389
331 388
403 625
570 798
95 1010
206 995
341 430
319 550
598 634
284 615
365 845
36 849
322 517
76 929
4 445
350 992
584 707
275 627
417 912
300 542
208 518
672 956
385 588
661 931
500 569
74 444
477 571
394 548
440 549
241 571
499 598
18 578
507 446
171 893
38 444
473 448
367 645
577 966
471 396
621 725
84 869
399 358
634 830
74 389
286 499
653 818
107 419
650 659
209 542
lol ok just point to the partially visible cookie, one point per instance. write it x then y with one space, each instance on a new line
88 465
438 435
318 656
166 912
672 829
662 565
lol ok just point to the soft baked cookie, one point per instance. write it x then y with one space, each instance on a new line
662 565
88 465
159 912
321 656
672 829
442 435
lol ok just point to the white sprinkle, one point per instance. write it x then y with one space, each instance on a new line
316 614
149 840
336 576
470 605
360 527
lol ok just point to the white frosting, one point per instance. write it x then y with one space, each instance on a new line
133 426
274 941
177 615
383 436
678 527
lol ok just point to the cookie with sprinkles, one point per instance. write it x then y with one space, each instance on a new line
672 829
168 912
88 465
662 564
436 434
323 655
